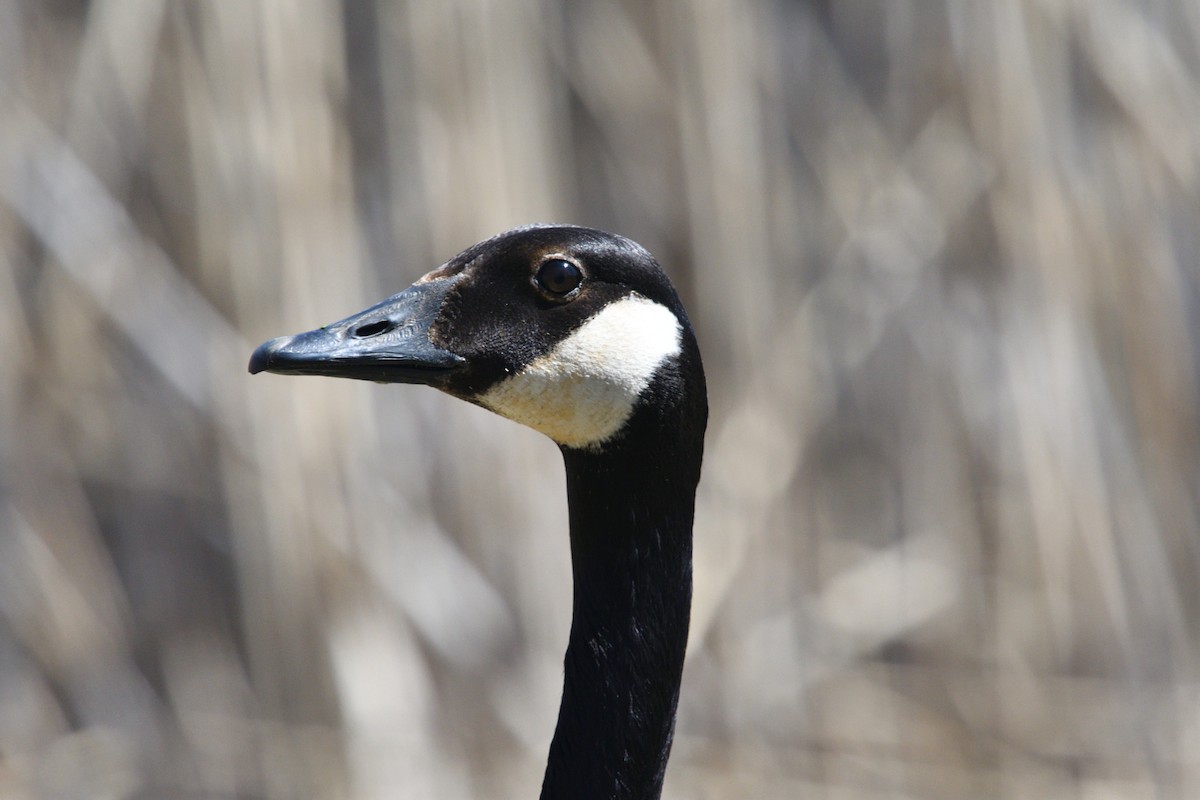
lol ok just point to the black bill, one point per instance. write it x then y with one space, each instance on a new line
386 343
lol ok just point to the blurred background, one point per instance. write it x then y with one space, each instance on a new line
942 259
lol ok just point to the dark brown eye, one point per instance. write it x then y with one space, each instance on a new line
559 277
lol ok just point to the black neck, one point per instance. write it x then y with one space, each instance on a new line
631 509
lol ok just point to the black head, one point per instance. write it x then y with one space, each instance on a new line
568 330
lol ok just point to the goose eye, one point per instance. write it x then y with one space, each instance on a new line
559 277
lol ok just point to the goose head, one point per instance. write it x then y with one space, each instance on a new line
568 330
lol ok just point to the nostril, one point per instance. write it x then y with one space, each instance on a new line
372 329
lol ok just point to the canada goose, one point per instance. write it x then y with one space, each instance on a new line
576 333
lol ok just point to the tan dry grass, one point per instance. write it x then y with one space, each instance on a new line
942 257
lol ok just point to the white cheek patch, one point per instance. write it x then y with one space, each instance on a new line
584 390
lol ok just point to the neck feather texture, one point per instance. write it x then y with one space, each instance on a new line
631 508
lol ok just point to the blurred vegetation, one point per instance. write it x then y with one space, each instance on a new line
942 257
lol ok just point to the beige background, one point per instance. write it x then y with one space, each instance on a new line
942 259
